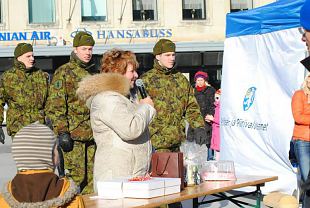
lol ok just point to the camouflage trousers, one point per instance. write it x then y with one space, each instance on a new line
79 165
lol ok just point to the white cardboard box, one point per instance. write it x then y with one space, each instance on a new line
172 185
172 190
119 188
112 189
144 189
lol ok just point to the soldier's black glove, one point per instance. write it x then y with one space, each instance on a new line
2 136
200 136
48 123
66 142
60 165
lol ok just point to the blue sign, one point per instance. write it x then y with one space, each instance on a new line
122 34
80 30
249 98
17 36
140 33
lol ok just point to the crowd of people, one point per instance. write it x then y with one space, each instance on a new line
91 123
96 127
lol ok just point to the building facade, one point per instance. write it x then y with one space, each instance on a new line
196 26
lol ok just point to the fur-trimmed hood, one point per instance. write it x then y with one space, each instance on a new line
55 202
95 84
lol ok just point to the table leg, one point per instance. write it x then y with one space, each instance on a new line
258 196
195 203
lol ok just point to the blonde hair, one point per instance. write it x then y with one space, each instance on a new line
305 87
117 60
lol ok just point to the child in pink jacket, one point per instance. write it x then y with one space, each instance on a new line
215 140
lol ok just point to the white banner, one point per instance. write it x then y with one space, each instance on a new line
260 75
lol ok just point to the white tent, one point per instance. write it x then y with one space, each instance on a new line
261 71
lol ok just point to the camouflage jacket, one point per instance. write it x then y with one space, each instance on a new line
175 102
25 92
63 108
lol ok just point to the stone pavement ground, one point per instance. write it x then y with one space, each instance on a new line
7 164
8 171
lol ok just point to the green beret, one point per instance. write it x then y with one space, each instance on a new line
22 48
163 46
83 39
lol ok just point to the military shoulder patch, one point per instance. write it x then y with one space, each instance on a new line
58 84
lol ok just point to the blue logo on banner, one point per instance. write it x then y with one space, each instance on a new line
249 98
80 30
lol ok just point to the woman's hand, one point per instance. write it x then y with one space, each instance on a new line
209 118
147 100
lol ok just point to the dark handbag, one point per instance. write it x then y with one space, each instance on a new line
168 165
291 154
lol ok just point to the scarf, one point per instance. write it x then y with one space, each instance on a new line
199 89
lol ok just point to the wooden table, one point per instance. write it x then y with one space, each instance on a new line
215 188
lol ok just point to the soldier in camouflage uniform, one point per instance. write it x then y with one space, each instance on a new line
173 99
24 88
70 116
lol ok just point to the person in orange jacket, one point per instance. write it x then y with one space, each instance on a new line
35 153
301 113
301 133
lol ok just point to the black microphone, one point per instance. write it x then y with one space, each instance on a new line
141 88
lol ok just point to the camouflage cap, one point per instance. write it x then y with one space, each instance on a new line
22 48
83 39
163 46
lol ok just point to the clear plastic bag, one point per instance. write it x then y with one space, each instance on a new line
194 156
194 153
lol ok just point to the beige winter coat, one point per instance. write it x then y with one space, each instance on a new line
120 127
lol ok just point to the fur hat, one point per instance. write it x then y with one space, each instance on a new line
305 15
288 201
22 48
163 46
32 147
201 74
280 200
83 39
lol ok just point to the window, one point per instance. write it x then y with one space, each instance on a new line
144 10
0 11
239 5
41 11
194 9
94 10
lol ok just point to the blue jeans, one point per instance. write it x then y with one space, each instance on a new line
302 151
210 154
